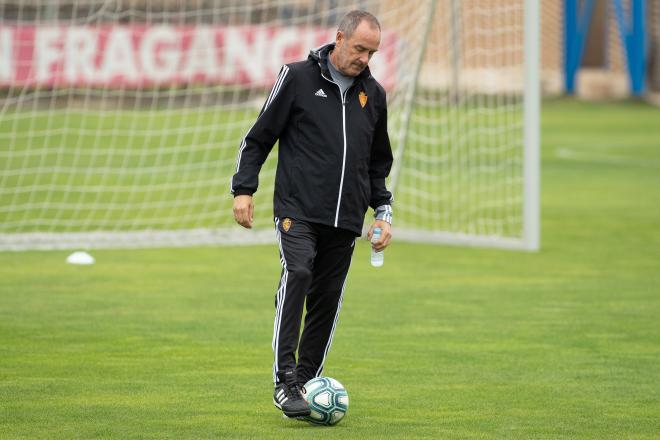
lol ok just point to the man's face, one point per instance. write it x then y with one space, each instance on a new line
352 55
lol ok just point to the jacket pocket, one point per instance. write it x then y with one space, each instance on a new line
364 184
294 177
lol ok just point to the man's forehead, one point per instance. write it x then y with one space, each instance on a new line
366 35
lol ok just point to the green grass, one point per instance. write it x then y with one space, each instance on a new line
146 169
441 343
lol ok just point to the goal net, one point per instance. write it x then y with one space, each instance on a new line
120 121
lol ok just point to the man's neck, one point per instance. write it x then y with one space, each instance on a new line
332 58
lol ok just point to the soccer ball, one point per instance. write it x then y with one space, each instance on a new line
327 399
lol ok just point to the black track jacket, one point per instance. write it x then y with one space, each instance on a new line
334 151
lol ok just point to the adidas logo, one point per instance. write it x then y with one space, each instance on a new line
320 93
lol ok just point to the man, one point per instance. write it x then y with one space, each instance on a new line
330 116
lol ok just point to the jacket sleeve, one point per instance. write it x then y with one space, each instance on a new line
260 138
381 162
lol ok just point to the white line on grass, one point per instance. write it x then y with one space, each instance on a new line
610 159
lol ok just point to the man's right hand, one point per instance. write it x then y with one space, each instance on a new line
243 211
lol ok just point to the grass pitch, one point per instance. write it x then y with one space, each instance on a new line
440 343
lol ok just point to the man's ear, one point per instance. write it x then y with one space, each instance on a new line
339 37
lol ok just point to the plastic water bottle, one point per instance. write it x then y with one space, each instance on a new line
377 257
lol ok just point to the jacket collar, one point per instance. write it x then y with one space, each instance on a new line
320 55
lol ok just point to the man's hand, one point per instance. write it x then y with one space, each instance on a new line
385 234
243 211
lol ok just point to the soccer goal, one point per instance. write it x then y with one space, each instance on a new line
120 121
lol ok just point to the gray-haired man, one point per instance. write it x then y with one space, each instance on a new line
330 116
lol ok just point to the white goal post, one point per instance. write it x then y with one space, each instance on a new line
120 121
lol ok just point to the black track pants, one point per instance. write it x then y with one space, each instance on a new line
315 260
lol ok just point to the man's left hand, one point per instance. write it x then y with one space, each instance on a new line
385 234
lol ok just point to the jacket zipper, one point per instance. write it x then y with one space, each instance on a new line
343 163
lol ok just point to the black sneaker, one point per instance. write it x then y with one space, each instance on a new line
288 395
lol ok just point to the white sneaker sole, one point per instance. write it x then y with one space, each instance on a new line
299 418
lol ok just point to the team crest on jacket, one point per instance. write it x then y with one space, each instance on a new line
363 99
286 224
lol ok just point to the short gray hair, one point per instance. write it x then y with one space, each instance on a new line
352 20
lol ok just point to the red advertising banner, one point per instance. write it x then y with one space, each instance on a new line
154 55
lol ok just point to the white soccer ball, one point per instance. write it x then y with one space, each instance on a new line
328 400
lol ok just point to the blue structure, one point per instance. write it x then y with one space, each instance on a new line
632 30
